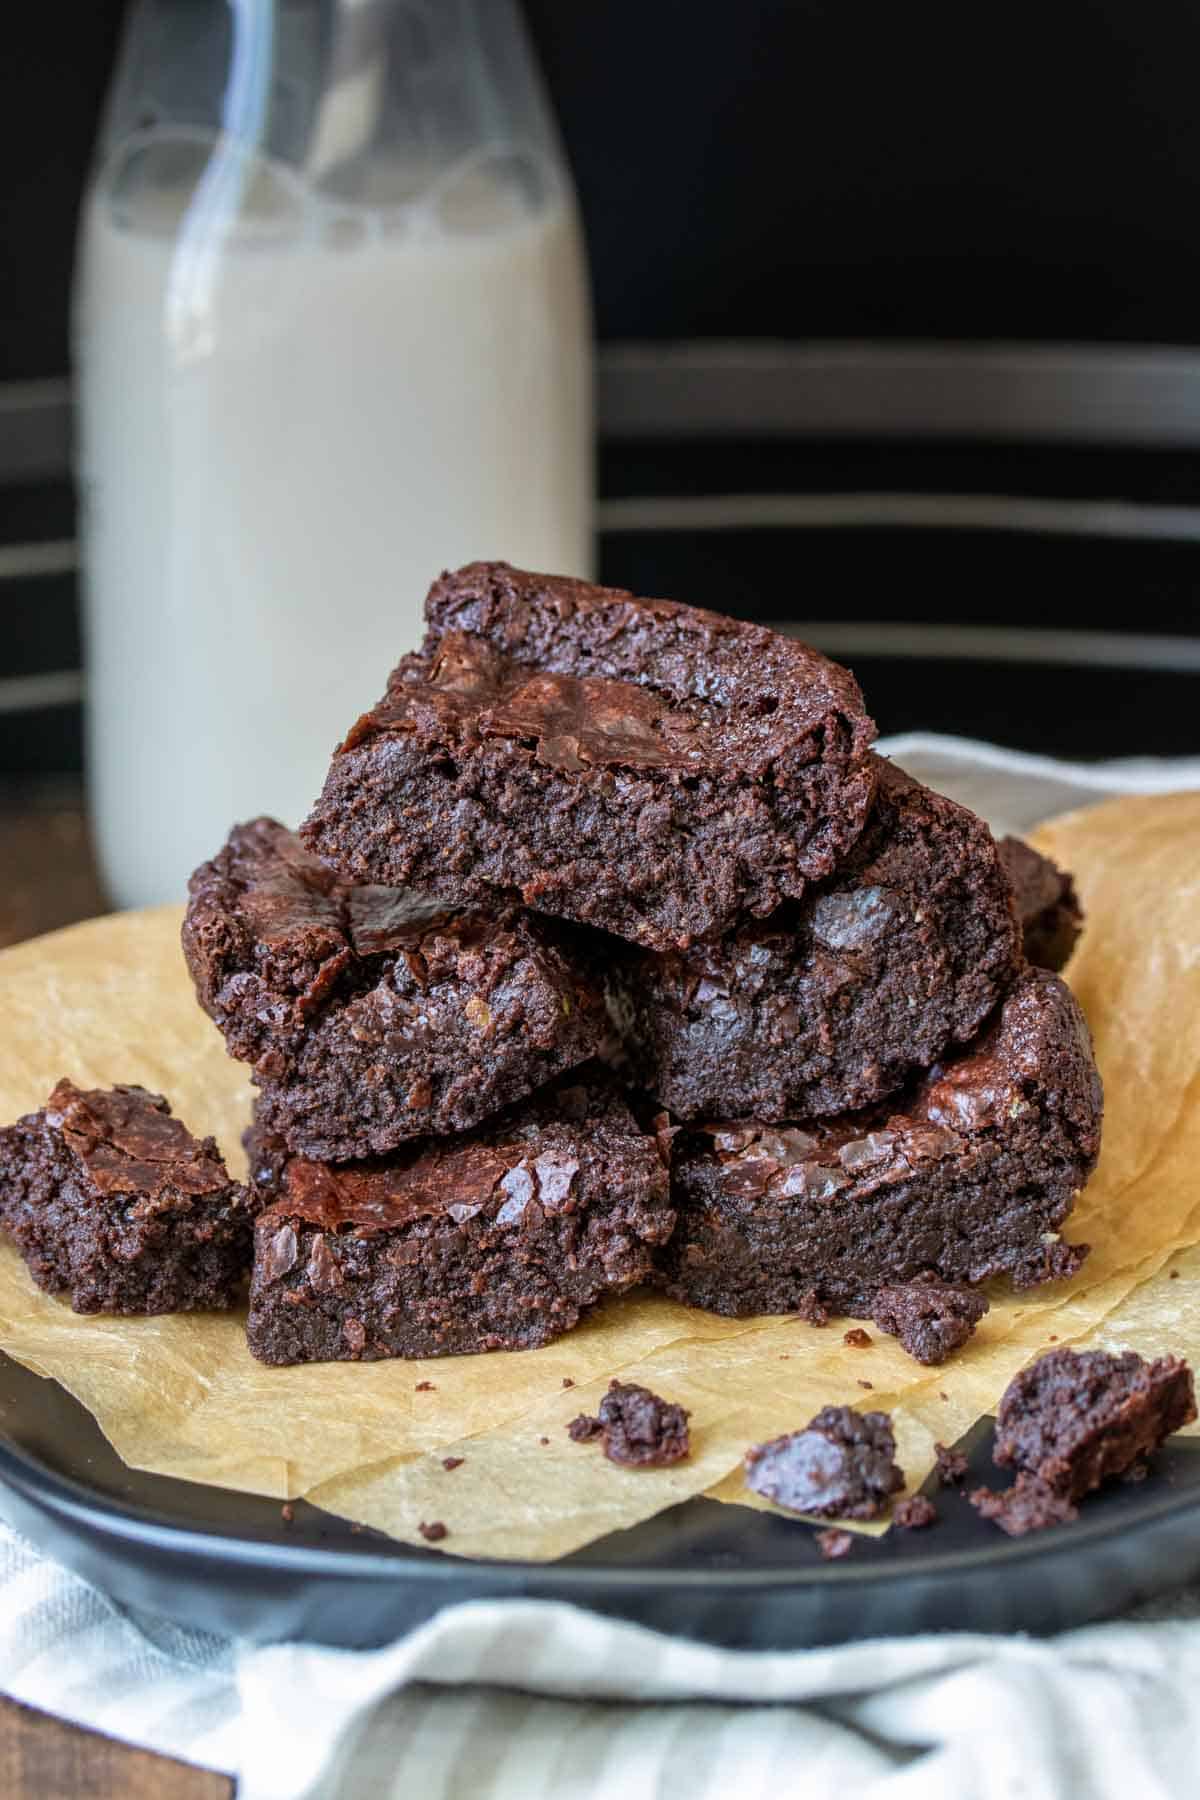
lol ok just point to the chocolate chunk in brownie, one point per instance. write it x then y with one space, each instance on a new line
951 1466
835 1001
371 1015
494 1240
114 1203
932 1319
841 1466
915 1513
1074 1418
634 764
1030 1504
1047 904
639 1428
833 1545
964 1180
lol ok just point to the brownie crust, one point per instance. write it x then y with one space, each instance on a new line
832 1003
113 1202
373 1016
1047 904
640 766
499 1239
966 1179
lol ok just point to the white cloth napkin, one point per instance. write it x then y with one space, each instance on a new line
516 1700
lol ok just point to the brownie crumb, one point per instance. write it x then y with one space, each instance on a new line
452 1462
357 1530
1029 1505
942 1396
543 1440
1136 1472
915 1513
1076 1418
424 1387
1174 1274
858 1339
834 1544
951 1466
567 1382
641 1429
932 1319
434 1532
863 1383
287 1512
582 1429
841 1466
811 1309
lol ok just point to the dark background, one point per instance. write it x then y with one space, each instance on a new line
795 172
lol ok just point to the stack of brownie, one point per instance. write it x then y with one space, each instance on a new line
612 953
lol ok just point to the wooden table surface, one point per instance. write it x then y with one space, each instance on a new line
49 880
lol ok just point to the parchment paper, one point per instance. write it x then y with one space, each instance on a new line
110 1001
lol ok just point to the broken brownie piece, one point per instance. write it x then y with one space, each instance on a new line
1074 1418
498 1239
915 1513
932 1319
370 1015
114 1203
978 1162
638 765
951 1466
833 1545
841 1466
1030 1504
639 1428
833 1002
1047 904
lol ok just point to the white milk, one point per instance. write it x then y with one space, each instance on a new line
279 450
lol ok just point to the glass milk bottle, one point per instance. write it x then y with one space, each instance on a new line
332 336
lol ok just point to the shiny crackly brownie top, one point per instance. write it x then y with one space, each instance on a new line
1037 1039
536 1157
128 1142
596 677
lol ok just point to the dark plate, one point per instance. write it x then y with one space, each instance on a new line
228 1562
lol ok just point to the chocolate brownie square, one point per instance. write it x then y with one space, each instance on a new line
1047 904
833 1002
966 1178
113 1202
370 1015
1074 1418
499 1239
637 765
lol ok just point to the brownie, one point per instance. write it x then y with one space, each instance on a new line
841 1466
951 1466
833 1545
1074 1418
932 1319
916 1513
498 1239
114 1203
967 1179
833 1002
639 1428
638 765
1030 1504
371 1015
1047 904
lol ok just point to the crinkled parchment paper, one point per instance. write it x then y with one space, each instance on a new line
110 1001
